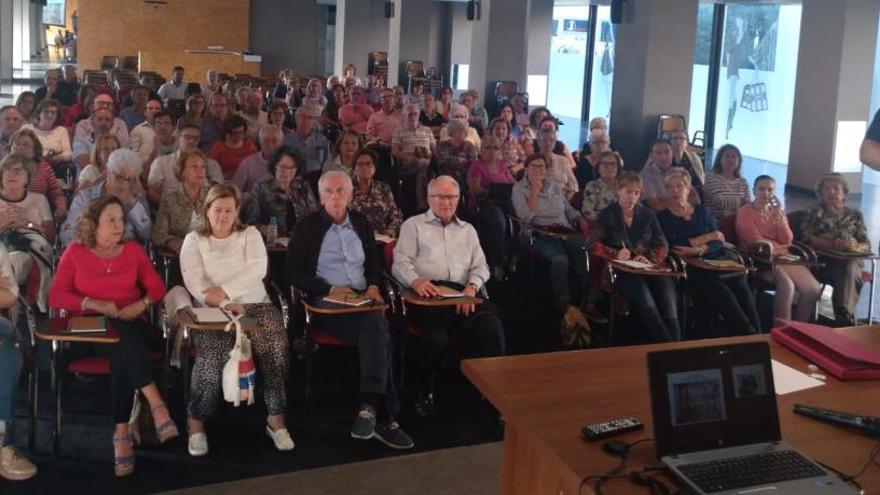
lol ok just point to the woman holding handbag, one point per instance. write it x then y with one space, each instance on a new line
237 259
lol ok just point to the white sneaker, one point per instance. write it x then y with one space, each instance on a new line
198 444
281 438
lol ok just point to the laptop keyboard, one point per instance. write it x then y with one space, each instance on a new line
752 470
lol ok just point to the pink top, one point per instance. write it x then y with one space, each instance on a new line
752 226
381 127
481 171
81 273
355 117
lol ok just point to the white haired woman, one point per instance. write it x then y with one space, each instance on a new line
124 169
832 226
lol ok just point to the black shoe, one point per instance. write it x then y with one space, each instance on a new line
425 406
391 434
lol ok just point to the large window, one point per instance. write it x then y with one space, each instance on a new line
603 65
745 65
568 55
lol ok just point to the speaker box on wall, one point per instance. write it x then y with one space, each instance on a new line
617 11
389 10
473 10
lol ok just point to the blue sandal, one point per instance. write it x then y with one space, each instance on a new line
123 465
167 430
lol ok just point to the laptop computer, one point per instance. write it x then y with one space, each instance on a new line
716 425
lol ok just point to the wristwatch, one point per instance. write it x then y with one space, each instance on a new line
147 302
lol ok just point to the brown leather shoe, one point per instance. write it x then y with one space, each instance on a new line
14 466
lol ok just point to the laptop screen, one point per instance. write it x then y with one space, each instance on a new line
712 397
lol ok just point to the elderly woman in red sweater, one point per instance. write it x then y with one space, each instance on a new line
102 274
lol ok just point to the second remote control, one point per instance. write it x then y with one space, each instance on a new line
610 428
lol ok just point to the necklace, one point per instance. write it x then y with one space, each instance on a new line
108 267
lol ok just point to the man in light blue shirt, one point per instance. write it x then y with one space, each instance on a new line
311 143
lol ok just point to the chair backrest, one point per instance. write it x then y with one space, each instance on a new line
109 61
668 122
796 223
388 254
505 90
727 226
129 62
415 68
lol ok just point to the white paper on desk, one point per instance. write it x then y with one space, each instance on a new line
788 380
638 265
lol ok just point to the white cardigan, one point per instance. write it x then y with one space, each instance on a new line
57 139
237 264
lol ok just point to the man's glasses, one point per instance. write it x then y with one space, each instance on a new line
130 180
445 197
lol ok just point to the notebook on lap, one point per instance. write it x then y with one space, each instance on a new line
716 425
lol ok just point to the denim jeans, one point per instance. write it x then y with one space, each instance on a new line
493 233
10 370
652 299
562 254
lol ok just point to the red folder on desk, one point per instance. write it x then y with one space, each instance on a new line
837 354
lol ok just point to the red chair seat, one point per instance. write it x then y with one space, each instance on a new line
324 338
94 365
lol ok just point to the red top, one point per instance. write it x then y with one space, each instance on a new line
230 158
83 274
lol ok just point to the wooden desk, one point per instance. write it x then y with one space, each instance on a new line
844 256
55 331
547 398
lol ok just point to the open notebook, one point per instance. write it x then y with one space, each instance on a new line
208 315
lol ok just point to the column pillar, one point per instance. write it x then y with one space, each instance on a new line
835 70
6 28
538 56
499 45
653 68
354 40
408 36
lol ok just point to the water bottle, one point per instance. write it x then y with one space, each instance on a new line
272 232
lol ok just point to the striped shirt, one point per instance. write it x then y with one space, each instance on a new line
723 196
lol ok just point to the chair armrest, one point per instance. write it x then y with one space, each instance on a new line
283 305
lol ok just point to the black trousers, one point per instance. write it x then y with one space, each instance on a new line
130 367
727 294
481 334
369 333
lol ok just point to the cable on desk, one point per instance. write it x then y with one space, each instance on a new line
613 473
851 479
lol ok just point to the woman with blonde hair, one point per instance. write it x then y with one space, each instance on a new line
105 144
223 265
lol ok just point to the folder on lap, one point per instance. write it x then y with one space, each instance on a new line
837 354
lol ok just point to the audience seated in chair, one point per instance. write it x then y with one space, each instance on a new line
333 252
832 226
123 182
437 248
347 146
100 273
234 147
223 265
13 465
489 201
725 190
355 114
461 114
558 168
626 230
100 121
211 129
181 211
162 179
253 168
143 136
283 194
84 128
691 233
105 144
25 143
413 145
54 138
382 124
538 200
308 141
372 197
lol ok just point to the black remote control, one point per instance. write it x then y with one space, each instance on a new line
610 428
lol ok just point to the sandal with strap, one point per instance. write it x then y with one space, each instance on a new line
123 465
167 430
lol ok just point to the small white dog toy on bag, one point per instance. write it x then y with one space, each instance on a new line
239 372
